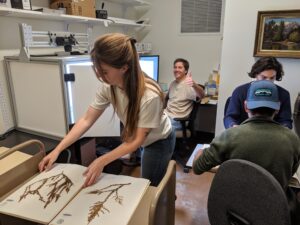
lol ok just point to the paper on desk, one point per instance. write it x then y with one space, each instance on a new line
212 102
191 159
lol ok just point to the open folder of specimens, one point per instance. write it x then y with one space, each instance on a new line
57 197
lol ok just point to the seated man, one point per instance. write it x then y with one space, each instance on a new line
259 139
267 68
182 92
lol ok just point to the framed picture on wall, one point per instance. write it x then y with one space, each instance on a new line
278 34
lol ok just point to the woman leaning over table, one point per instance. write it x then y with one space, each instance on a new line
138 102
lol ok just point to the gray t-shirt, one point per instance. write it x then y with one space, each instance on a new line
151 113
180 102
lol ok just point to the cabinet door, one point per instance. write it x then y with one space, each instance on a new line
38 97
81 93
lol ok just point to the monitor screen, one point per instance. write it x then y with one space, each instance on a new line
150 65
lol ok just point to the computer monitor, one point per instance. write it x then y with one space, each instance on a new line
150 65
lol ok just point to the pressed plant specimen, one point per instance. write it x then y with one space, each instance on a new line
110 191
48 189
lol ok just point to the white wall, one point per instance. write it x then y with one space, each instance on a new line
237 51
202 51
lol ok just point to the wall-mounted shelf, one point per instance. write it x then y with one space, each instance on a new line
121 21
11 12
126 4
130 2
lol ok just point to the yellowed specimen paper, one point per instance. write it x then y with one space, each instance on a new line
57 196
112 200
43 197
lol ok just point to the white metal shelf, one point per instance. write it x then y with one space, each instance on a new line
131 2
122 21
11 12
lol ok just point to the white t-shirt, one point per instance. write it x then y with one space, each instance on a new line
151 113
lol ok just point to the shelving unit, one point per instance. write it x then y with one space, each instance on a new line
131 2
125 4
121 21
11 12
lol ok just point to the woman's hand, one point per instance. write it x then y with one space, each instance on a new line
48 161
93 172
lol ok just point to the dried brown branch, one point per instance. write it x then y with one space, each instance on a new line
99 206
56 185
95 209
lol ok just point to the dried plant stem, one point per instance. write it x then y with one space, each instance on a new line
99 206
56 185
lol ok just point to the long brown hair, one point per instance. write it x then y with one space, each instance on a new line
118 50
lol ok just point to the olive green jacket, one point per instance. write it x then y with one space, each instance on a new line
259 140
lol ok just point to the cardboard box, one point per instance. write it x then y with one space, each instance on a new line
19 163
76 7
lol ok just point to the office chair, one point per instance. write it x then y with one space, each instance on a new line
243 193
182 148
158 205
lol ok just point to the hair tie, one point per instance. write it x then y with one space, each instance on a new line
132 41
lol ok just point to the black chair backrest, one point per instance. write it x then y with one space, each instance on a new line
243 193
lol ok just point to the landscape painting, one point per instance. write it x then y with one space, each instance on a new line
278 34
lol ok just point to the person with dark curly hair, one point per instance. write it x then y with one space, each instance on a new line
266 68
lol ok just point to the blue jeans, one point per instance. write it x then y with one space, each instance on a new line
176 124
155 158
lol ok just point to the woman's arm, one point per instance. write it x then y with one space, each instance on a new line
95 168
80 127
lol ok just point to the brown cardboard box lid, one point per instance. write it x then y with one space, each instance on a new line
22 166
3 150
12 160
76 7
